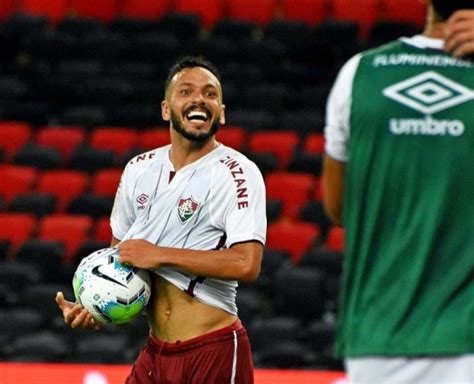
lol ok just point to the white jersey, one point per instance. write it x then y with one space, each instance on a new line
212 203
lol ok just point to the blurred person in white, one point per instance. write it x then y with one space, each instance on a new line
398 176
192 212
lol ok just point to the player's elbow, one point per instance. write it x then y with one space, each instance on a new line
248 273
334 212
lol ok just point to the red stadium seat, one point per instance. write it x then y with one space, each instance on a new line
364 12
154 138
54 10
7 8
210 11
257 11
232 136
65 139
102 230
311 12
71 230
412 11
291 188
16 228
335 239
64 185
314 143
116 139
105 182
296 238
103 10
145 9
13 136
16 179
281 143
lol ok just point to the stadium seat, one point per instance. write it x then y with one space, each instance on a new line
280 143
310 157
105 182
45 256
314 143
298 292
281 328
274 207
103 348
296 238
90 204
16 228
103 10
364 12
16 180
396 10
232 136
116 139
145 9
35 156
102 231
66 139
154 138
35 203
91 160
41 346
335 239
209 12
7 8
71 230
13 136
291 188
313 211
290 33
288 354
233 29
54 10
311 12
251 303
256 11
63 184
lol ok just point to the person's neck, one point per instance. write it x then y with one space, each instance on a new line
184 152
435 26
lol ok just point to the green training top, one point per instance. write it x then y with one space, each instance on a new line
409 206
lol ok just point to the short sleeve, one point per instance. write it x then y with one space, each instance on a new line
123 215
338 108
243 204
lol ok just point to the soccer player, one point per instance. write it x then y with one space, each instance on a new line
398 177
193 213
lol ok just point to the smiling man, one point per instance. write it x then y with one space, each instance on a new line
178 212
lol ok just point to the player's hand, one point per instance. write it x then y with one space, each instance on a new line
459 33
139 253
74 314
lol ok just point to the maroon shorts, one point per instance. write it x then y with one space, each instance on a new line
218 357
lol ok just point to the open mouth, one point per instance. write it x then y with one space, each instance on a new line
197 115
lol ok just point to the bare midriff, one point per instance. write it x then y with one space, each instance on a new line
174 315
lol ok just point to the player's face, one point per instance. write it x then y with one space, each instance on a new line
194 104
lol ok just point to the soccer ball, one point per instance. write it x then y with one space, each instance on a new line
112 292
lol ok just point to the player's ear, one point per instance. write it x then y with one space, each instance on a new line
165 110
222 117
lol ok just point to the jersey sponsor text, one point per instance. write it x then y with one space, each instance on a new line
240 182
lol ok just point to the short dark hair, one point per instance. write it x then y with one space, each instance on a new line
445 8
191 62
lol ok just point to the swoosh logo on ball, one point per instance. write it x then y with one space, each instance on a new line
95 271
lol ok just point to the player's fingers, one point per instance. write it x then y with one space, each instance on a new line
457 40
464 49
79 320
462 14
60 299
71 314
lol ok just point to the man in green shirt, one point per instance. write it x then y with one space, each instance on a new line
398 176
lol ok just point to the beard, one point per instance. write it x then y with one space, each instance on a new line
197 137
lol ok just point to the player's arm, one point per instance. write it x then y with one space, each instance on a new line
459 39
239 262
74 314
333 186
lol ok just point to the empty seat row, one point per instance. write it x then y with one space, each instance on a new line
257 11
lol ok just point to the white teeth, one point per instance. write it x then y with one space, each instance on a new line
197 115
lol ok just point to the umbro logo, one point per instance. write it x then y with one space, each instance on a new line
429 93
